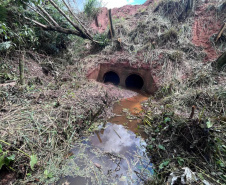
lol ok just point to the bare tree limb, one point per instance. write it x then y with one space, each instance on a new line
79 30
220 32
70 10
39 14
46 14
57 28
37 23
70 21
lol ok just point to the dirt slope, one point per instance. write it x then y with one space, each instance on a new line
205 21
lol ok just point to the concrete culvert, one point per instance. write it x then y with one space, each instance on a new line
111 77
134 82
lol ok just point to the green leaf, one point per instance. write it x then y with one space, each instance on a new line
2 160
150 147
164 164
48 174
201 176
167 119
1 149
180 161
11 158
161 147
209 124
220 163
33 161
5 45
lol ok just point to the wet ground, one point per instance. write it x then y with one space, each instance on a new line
115 154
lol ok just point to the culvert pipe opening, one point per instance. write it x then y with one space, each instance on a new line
134 82
111 77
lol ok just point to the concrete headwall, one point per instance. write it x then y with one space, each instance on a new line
123 71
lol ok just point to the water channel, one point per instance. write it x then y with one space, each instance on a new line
115 154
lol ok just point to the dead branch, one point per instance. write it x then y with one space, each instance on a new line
70 10
79 30
57 28
70 21
220 32
40 14
46 14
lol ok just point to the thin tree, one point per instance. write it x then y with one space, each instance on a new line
21 68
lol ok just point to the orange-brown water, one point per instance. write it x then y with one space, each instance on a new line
133 105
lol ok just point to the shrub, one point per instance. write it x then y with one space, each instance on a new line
91 8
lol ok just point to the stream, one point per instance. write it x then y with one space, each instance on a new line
115 154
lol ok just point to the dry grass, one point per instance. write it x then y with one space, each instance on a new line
45 119
188 142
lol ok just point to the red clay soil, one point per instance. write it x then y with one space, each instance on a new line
125 11
205 25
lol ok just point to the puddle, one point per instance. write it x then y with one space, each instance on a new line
114 154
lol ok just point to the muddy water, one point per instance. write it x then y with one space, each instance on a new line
133 107
114 154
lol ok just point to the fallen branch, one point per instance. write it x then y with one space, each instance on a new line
49 17
57 28
220 32
79 29
84 35
70 10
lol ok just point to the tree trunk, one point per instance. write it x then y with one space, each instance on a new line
221 32
21 68
96 21
111 24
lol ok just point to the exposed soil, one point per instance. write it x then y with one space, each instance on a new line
205 26
125 12
117 13
6 177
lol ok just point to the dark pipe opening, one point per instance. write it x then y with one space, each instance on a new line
134 82
111 77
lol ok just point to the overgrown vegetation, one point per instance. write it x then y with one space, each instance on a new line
41 121
92 8
186 128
